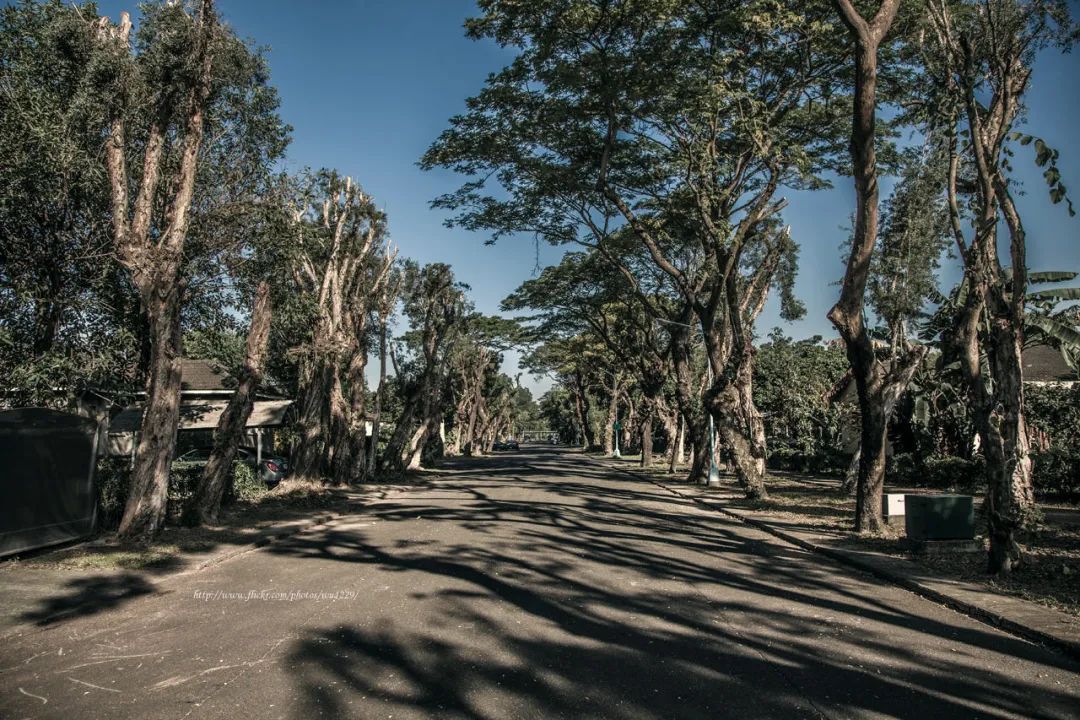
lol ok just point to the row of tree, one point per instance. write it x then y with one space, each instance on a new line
660 135
143 219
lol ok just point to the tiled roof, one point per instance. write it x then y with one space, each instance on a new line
1043 363
199 375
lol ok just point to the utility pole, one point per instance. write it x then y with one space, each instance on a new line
616 430
714 471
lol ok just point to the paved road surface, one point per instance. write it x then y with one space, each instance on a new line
536 585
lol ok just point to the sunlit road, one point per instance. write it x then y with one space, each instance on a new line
532 585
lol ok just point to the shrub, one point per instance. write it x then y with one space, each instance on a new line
112 480
827 461
183 479
1056 411
246 486
1057 474
940 472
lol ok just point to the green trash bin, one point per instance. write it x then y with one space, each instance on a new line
939 517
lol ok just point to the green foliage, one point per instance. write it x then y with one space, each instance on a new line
112 479
1046 156
246 485
556 408
71 318
824 460
223 344
938 472
1057 473
914 233
792 382
1055 410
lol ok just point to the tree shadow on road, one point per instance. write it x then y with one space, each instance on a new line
592 596
88 596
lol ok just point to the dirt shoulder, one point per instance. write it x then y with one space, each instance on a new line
811 505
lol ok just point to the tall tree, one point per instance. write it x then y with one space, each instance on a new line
435 303
878 384
69 318
387 300
678 120
981 57
338 263
154 258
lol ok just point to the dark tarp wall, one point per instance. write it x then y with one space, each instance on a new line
46 478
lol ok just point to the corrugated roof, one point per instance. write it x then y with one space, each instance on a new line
202 415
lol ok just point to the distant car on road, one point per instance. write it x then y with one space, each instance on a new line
510 444
271 469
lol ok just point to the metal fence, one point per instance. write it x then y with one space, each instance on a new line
46 478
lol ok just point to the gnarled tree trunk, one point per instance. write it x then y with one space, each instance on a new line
847 314
154 259
233 422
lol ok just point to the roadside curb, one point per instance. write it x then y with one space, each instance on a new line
1066 646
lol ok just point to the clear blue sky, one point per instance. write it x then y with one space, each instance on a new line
369 84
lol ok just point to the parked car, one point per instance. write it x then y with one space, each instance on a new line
270 470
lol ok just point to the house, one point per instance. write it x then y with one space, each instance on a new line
205 390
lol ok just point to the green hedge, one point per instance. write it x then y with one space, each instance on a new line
112 481
1057 474
827 462
940 472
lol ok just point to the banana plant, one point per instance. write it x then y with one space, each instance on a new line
1052 315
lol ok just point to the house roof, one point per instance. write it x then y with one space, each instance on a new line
1043 363
204 415
200 375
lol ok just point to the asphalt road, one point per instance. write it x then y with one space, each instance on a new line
533 585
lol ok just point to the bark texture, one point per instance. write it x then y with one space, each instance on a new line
154 259
206 501
873 381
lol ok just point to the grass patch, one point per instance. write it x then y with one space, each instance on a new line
176 546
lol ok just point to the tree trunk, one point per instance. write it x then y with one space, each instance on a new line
847 314
376 420
357 466
231 426
627 427
146 507
314 419
610 421
851 475
690 408
999 420
336 458
647 439
581 407
749 463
